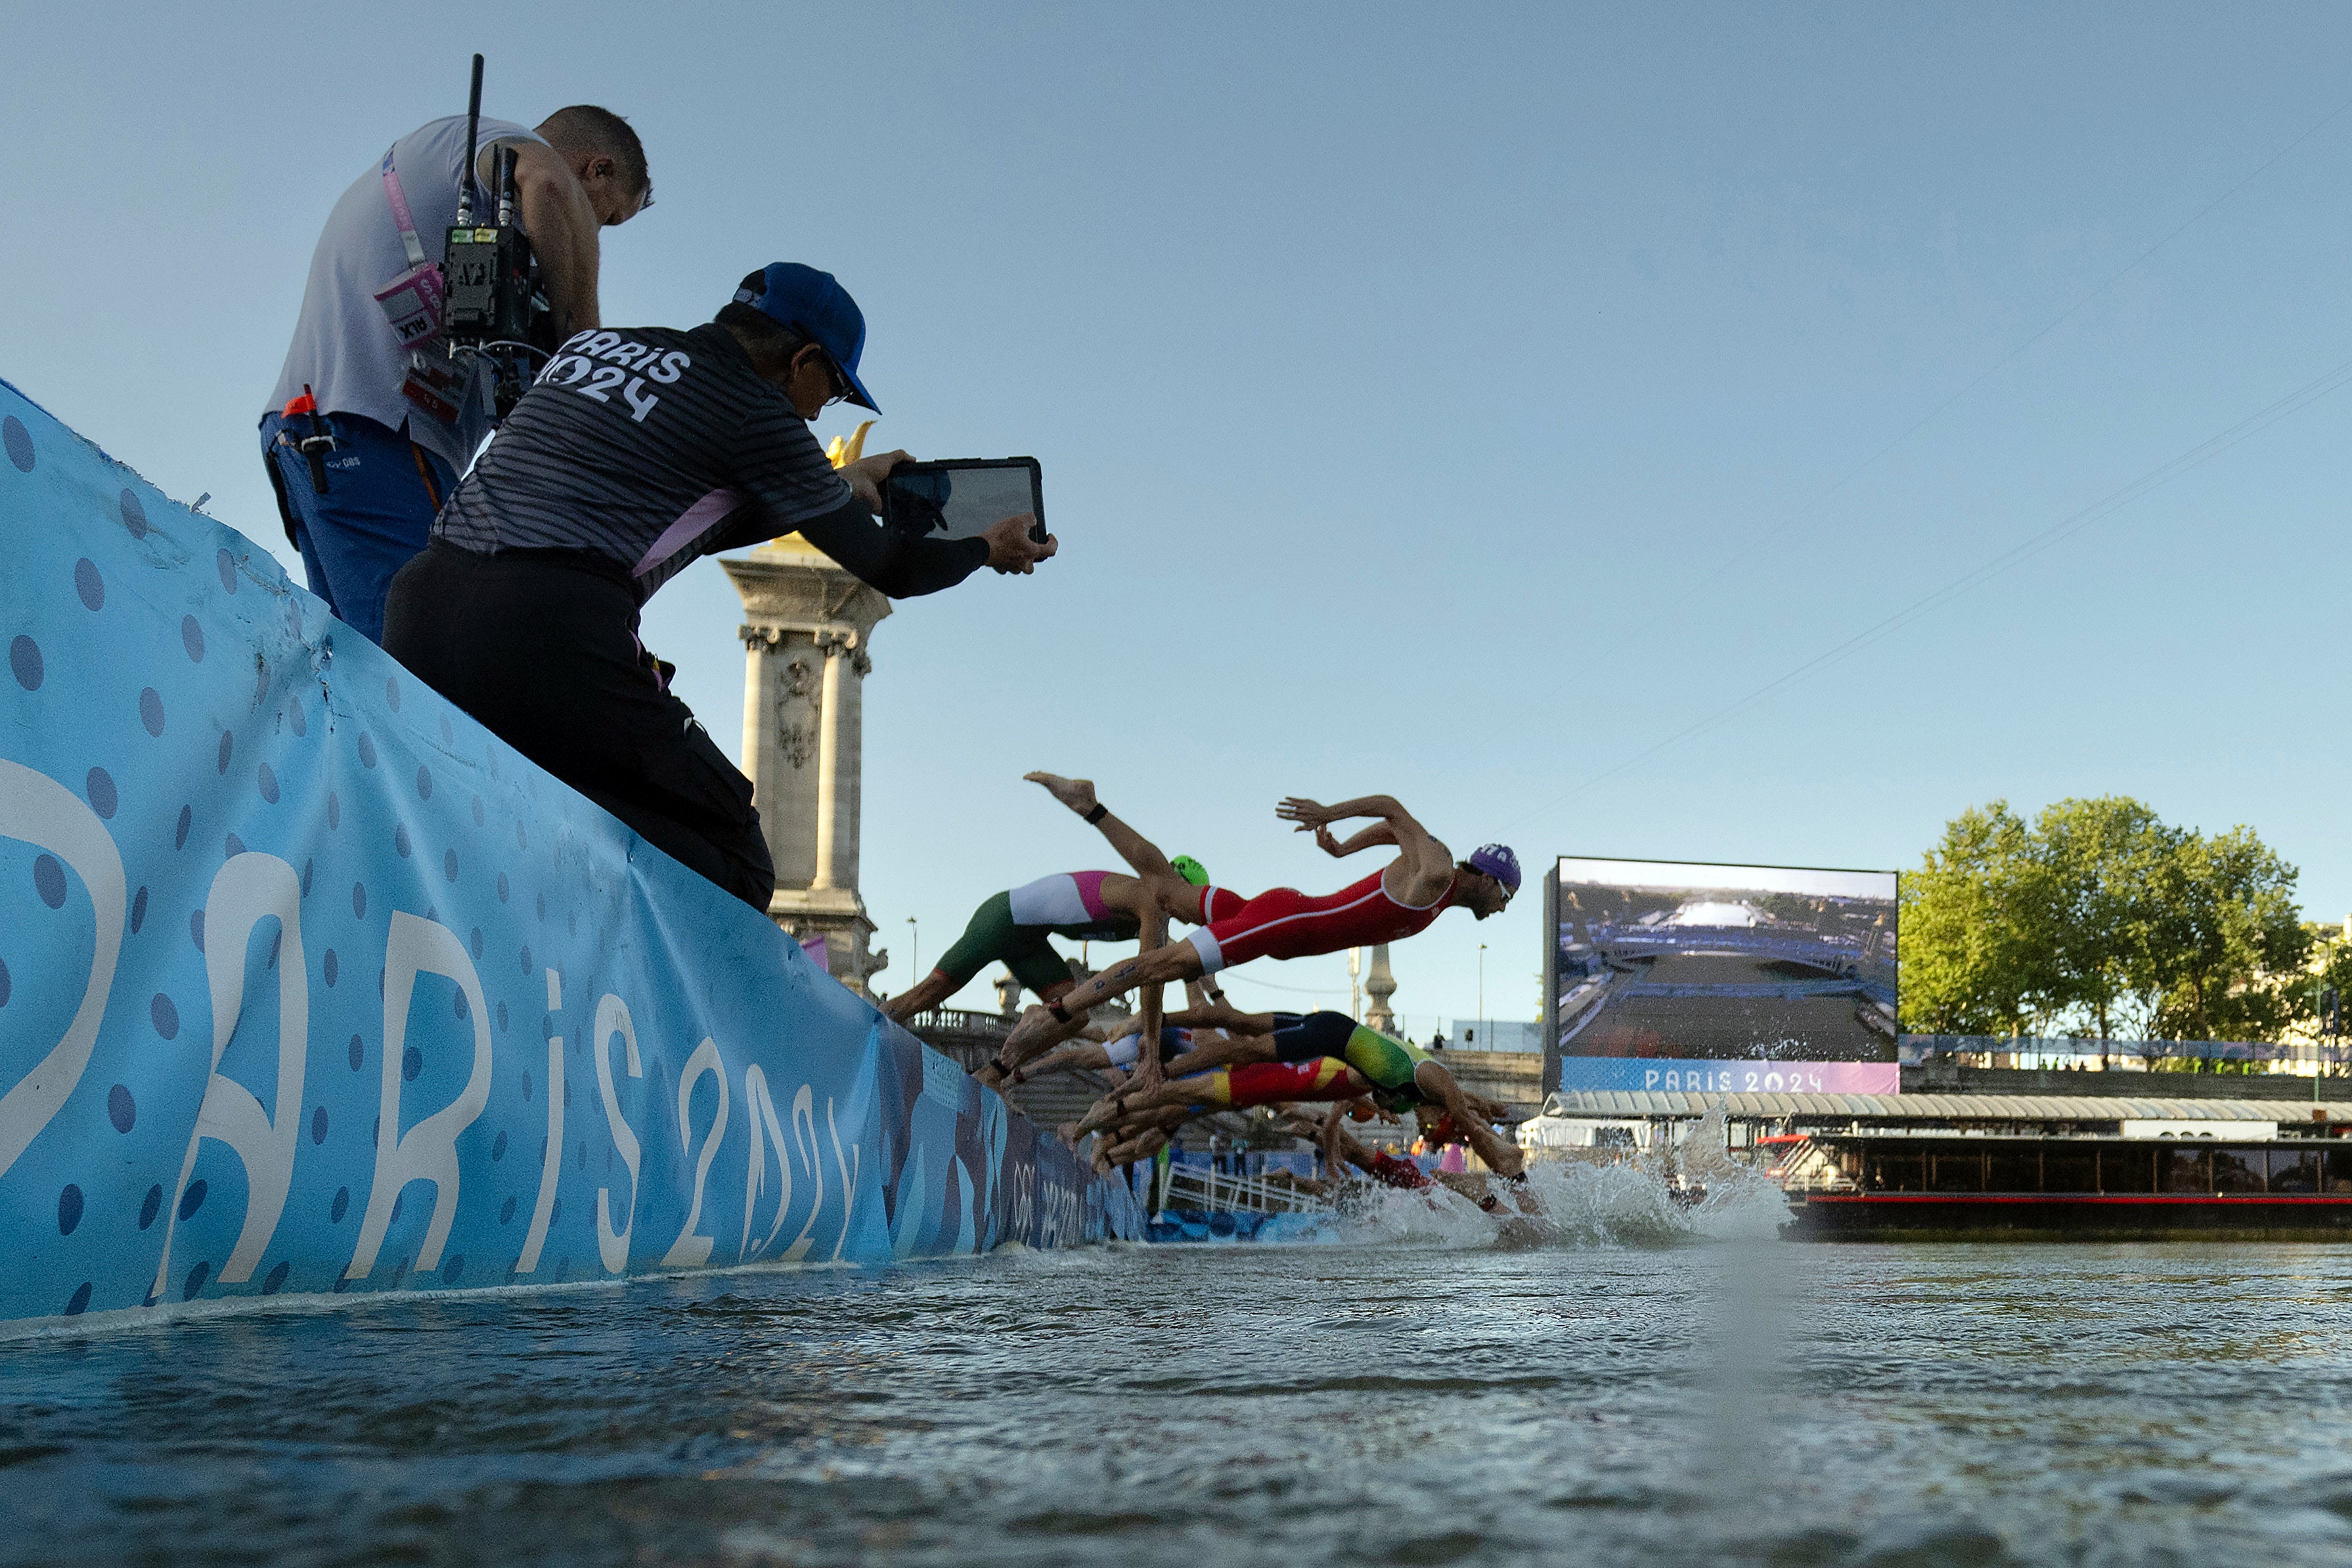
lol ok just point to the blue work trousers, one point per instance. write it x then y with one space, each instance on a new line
383 494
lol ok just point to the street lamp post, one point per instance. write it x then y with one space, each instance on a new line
914 953
1482 992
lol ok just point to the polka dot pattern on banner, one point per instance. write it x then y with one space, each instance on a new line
151 712
134 514
121 1109
192 638
99 788
25 663
19 442
49 881
139 910
89 585
225 564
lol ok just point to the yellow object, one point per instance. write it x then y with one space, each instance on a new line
844 452
841 455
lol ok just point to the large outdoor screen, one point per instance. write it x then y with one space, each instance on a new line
1666 961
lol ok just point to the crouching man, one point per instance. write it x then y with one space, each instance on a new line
637 452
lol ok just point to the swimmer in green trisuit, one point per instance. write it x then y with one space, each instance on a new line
1325 1056
1012 928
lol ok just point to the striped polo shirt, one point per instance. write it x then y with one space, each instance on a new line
649 447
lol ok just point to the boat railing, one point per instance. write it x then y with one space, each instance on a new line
1803 1165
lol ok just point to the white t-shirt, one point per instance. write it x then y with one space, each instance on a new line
344 347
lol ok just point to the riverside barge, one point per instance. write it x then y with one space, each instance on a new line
2013 1167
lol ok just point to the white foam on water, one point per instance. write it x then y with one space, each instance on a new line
1579 1204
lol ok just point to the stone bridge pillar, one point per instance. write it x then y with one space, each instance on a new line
807 627
1379 988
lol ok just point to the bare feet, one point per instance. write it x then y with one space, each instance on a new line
1077 794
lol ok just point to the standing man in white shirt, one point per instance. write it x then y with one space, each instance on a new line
406 419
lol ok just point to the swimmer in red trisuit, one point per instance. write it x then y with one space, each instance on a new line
1325 1056
1011 927
1403 898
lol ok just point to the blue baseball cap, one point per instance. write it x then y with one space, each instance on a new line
815 305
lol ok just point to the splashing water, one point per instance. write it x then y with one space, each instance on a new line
1624 1204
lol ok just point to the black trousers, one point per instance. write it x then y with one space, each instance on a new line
541 647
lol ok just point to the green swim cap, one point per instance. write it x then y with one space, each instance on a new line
1190 869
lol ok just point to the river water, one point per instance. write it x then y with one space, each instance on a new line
1636 1385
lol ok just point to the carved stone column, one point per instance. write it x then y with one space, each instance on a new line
1379 986
808 625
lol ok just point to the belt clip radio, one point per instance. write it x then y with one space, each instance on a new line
492 309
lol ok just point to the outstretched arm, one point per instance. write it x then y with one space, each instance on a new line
1428 863
1332 1133
1437 1083
1217 1015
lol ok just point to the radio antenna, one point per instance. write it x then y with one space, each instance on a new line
473 134
506 183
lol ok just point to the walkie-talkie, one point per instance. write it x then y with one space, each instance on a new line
492 308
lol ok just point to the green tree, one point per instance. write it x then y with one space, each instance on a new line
2102 861
2228 941
2101 917
1972 934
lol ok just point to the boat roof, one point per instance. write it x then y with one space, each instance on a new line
1667 1104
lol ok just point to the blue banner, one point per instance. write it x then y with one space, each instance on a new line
1680 1076
308 984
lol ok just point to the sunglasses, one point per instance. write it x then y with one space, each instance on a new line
833 378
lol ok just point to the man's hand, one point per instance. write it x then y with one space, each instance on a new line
1011 550
1315 818
1309 815
1077 794
865 477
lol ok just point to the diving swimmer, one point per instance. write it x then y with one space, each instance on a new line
1323 1056
1396 902
1012 928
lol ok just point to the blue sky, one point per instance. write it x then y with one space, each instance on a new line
1455 404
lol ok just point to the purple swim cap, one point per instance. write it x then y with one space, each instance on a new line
1497 862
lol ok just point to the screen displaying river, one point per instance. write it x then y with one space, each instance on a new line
1639 1386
